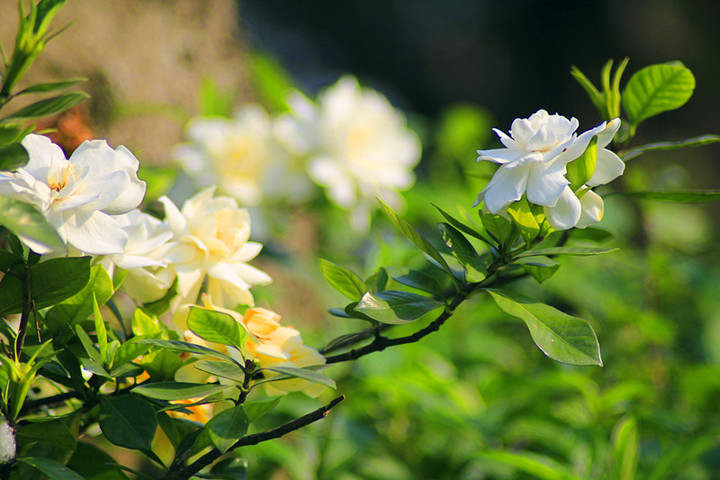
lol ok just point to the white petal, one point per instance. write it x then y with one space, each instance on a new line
43 154
506 186
607 168
592 209
545 188
606 135
500 155
566 212
174 218
95 233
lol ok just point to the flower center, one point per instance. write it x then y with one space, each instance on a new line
59 177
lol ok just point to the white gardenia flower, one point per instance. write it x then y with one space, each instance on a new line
534 160
359 147
7 441
210 237
585 207
80 196
243 157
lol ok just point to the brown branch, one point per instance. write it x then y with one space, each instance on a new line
202 462
380 343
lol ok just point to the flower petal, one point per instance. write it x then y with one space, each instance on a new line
566 212
592 209
607 168
506 186
545 188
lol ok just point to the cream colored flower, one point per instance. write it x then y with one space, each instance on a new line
210 238
80 197
359 147
243 157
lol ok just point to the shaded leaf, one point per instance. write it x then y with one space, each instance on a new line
128 421
94 463
52 86
462 227
48 106
690 142
675 197
416 279
625 447
540 466
184 347
303 373
562 337
227 427
13 156
51 468
540 268
79 306
227 370
576 251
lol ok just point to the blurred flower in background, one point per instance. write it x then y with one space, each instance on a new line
358 147
242 157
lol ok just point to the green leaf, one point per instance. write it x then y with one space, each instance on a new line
52 86
88 345
396 307
227 427
100 331
377 281
540 268
257 409
10 134
233 468
144 324
80 306
411 234
651 147
464 252
128 421
228 370
347 339
524 219
562 337
539 466
28 223
416 279
462 227
580 170
343 280
625 448
499 228
51 468
303 373
94 463
51 282
217 327
53 431
656 89
185 347
675 197
179 390
214 102
597 98
576 251
13 156
47 107
9 260
129 351
594 234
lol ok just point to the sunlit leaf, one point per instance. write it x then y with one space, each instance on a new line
48 106
651 147
625 447
215 326
540 268
562 337
52 86
228 370
464 252
26 221
184 347
303 373
396 307
179 390
656 89
573 251
343 280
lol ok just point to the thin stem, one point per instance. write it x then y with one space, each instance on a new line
253 439
27 309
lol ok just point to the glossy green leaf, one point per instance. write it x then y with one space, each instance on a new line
51 282
396 307
13 156
560 336
540 268
54 470
580 170
499 228
343 280
48 106
227 427
228 370
464 252
128 421
675 197
52 431
257 409
52 86
418 240
27 222
88 345
178 390
416 279
129 350
660 146
93 463
462 227
377 281
80 306
215 326
100 331
302 373
574 251
10 134
184 347
626 449
524 219
656 89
